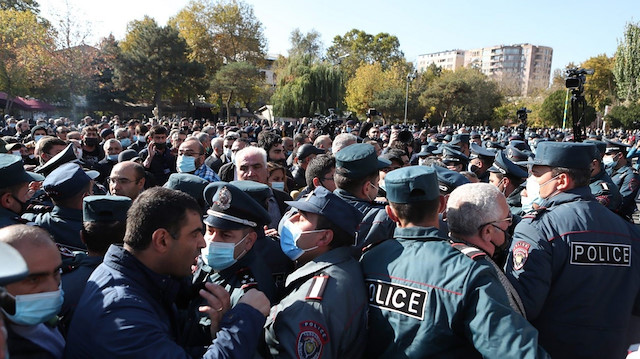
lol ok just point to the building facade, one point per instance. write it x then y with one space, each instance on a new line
518 69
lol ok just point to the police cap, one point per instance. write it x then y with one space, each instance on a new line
65 181
232 208
12 171
412 184
324 203
615 146
478 151
503 165
359 160
563 154
187 183
448 180
105 208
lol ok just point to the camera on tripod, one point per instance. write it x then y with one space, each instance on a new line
522 114
576 78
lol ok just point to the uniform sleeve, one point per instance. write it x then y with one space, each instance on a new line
239 334
493 327
300 331
529 267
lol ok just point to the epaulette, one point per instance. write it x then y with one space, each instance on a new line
247 279
536 213
605 187
318 284
370 246
469 251
380 203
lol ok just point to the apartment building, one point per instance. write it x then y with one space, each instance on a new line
519 69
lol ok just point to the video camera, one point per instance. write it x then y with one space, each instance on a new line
327 124
576 78
521 113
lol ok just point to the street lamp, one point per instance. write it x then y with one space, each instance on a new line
410 77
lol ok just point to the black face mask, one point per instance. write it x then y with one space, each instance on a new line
23 205
161 146
504 247
473 168
91 141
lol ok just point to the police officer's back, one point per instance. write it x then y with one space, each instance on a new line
432 298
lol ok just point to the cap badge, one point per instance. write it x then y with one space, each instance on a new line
224 199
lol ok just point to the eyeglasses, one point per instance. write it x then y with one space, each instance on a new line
508 219
189 153
122 181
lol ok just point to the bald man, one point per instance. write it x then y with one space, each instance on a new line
127 179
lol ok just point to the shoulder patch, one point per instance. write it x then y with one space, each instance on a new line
311 340
247 279
469 251
316 290
520 254
605 186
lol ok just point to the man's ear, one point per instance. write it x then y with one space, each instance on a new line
251 240
5 200
391 213
326 239
160 240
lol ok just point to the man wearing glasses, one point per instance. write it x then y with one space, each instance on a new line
126 179
430 297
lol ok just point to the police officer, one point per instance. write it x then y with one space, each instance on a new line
104 223
67 185
454 159
601 185
15 191
627 180
229 258
432 298
509 178
325 312
357 180
480 161
578 286
448 181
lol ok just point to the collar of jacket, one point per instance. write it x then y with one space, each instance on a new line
332 257
576 194
67 213
418 233
361 204
158 285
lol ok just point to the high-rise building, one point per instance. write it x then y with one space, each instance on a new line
519 69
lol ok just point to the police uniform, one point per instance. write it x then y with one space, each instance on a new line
266 247
358 161
429 297
572 264
503 165
627 180
231 209
64 224
94 209
485 156
448 180
324 314
12 173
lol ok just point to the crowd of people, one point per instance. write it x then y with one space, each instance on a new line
183 238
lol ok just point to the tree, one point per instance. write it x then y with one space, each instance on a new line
357 47
627 64
221 32
26 45
152 61
306 87
552 109
305 44
20 5
463 96
599 89
627 116
104 90
374 87
239 79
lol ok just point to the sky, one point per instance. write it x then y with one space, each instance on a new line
576 30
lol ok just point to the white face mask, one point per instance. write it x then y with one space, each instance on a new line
533 195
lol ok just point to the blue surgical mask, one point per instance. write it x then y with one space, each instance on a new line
113 158
125 142
186 164
37 137
289 235
277 185
32 309
219 255
12 125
